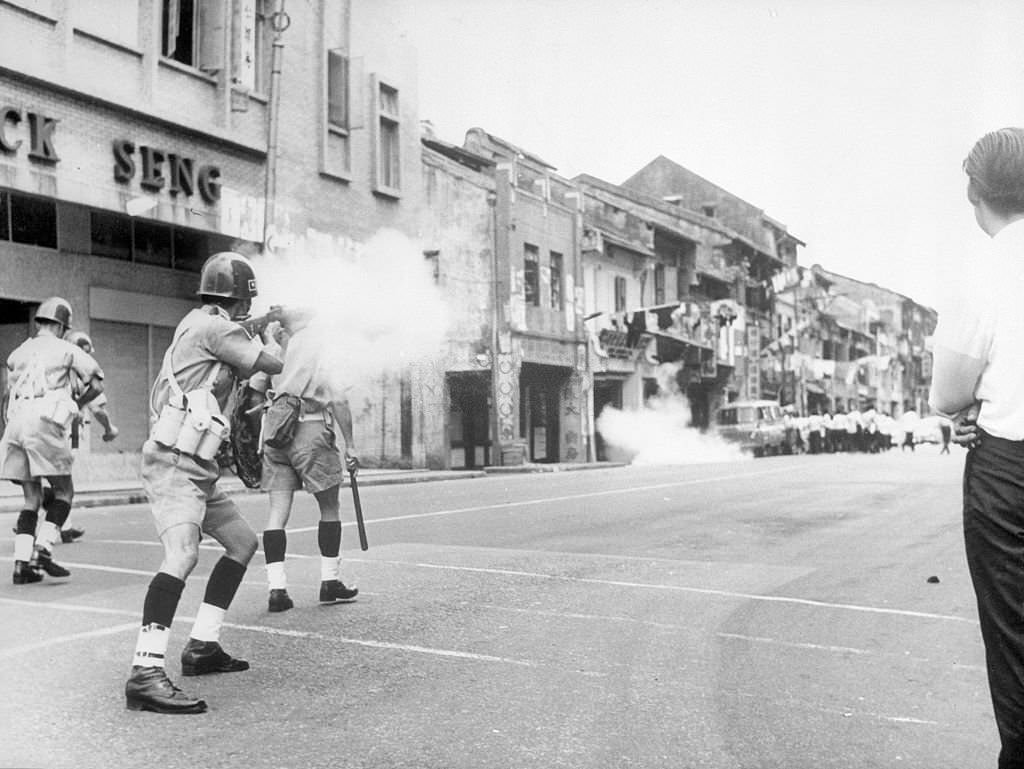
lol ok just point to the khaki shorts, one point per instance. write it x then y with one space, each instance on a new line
312 461
182 489
33 447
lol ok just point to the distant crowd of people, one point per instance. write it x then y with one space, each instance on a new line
869 432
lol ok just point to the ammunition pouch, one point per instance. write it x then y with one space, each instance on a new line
281 420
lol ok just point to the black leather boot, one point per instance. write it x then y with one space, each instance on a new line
149 688
24 574
45 560
334 591
201 657
279 600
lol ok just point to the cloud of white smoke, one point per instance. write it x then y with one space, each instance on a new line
661 432
377 307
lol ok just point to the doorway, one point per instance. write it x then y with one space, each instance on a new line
469 421
607 392
540 394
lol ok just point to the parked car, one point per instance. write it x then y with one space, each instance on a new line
757 426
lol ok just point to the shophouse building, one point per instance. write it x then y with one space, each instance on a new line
759 248
848 345
506 232
658 305
895 373
139 136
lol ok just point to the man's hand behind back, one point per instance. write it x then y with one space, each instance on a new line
965 426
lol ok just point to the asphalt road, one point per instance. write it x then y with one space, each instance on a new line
765 613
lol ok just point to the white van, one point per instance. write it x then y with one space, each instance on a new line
757 426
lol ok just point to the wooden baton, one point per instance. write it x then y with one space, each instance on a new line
359 511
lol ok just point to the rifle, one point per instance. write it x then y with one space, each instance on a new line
256 326
289 317
359 511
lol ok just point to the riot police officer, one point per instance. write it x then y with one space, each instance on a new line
210 350
42 403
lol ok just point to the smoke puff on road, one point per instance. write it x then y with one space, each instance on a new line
660 434
377 308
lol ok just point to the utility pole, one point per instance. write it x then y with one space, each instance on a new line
279 22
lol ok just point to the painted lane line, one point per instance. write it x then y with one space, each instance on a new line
111 569
680 589
71 607
413 648
604 582
845 713
794 644
15 651
156 543
564 498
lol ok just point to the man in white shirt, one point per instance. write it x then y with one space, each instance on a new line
978 377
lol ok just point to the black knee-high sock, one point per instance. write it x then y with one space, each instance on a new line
57 511
223 583
162 599
275 544
328 536
27 520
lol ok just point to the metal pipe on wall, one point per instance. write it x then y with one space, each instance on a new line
279 22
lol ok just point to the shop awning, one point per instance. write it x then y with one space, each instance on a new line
672 348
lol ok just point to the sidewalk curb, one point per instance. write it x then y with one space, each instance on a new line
84 499
135 496
552 468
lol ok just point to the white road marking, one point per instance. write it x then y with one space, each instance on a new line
111 569
794 644
678 588
845 713
564 498
591 581
15 651
414 648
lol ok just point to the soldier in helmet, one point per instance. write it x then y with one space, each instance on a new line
42 402
308 459
95 409
210 350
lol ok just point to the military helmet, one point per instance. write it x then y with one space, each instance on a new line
56 310
229 275
81 339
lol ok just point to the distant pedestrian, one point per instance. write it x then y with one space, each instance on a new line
908 424
946 429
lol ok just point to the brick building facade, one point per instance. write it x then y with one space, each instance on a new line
139 138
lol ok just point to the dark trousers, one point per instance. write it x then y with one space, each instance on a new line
994 540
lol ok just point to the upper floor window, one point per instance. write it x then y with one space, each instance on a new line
28 220
531 274
337 90
556 280
193 33
620 293
179 28
388 135
116 236
659 284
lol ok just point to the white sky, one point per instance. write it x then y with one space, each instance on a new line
846 121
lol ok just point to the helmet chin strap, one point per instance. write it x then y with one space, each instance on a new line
242 311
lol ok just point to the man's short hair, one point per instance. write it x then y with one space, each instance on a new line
996 167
